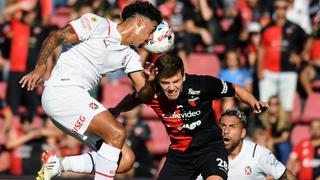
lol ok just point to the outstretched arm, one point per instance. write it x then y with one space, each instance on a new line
63 36
246 97
287 175
126 104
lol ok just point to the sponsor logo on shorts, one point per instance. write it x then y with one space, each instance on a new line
77 126
93 106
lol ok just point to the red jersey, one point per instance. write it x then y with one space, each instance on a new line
309 158
190 120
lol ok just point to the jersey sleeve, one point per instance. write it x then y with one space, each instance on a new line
86 25
217 88
268 163
133 63
296 151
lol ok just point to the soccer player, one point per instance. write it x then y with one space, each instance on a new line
248 160
93 46
183 102
306 154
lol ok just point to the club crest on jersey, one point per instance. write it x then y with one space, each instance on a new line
193 92
193 101
93 106
93 19
247 170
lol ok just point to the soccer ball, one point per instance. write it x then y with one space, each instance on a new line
162 39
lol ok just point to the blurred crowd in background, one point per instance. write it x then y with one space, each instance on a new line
270 47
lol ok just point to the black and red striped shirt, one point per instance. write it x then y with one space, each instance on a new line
190 121
278 43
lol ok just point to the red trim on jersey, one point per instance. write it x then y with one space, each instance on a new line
108 27
102 174
305 152
179 139
78 39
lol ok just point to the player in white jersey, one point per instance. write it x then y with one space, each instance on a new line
248 160
93 46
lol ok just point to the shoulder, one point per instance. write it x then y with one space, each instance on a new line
255 150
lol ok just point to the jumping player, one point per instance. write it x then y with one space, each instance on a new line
184 104
93 46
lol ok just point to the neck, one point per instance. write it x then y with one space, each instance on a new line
281 21
125 30
234 153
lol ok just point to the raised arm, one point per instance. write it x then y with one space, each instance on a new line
246 97
63 36
287 175
126 104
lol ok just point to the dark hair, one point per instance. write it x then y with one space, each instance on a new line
234 112
168 66
142 8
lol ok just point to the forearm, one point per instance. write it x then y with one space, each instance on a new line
18 141
146 93
10 10
126 104
245 96
206 11
48 46
260 57
287 175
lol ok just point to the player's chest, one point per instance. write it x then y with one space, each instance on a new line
108 54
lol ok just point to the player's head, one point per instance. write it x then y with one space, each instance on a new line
170 75
281 7
315 129
145 18
233 125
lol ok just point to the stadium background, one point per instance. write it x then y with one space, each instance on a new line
214 38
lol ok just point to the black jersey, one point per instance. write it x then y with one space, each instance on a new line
190 121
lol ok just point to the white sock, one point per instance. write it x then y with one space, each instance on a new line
84 163
106 162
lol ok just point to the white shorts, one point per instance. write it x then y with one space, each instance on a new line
71 109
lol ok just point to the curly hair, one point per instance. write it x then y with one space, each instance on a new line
236 113
144 8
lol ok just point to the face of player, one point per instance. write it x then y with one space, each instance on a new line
315 129
281 7
172 86
143 31
232 132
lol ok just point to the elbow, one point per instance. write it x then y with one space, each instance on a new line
145 95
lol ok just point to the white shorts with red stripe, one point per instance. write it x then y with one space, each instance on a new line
71 109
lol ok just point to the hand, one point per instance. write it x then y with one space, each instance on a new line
295 58
28 5
259 107
206 37
150 71
33 78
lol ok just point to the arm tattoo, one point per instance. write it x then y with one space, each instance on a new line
53 41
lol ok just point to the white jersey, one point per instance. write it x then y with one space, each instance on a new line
254 162
97 53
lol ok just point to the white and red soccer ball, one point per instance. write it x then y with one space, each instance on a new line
162 39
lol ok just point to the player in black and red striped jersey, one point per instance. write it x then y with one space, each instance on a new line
183 102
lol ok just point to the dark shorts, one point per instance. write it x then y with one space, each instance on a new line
187 166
